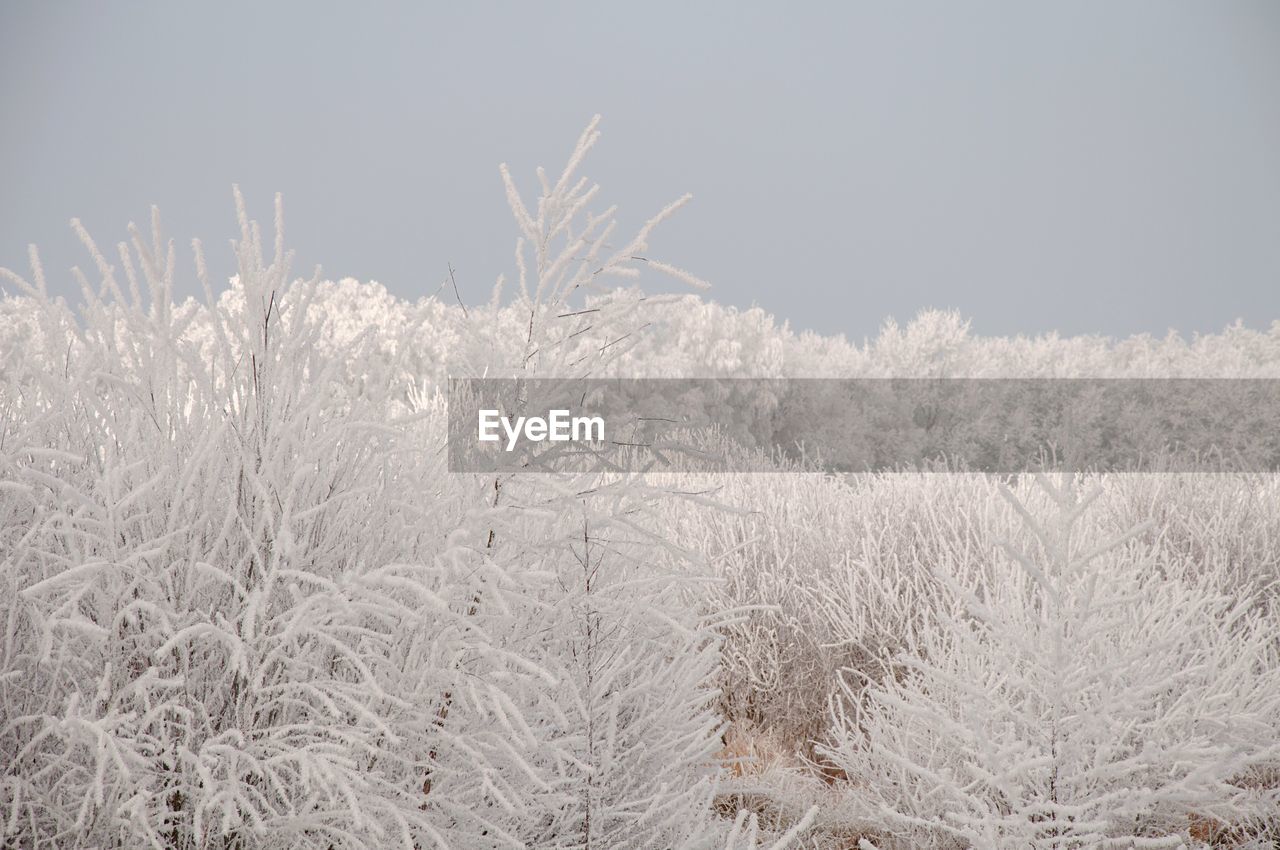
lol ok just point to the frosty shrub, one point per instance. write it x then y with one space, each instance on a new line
219 622
244 606
1076 691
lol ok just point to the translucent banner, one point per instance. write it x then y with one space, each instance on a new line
864 425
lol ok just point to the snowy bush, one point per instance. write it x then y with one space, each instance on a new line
213 600
246 607
1074 692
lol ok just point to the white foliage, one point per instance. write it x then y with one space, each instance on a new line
244 605
244 608
1077 691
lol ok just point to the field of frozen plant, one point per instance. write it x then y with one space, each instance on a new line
244 604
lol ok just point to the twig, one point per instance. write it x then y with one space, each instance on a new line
455 293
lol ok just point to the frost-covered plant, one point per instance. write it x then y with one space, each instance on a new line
245 607
745 834
620 733
573 319
220 622
1075 692
840 573
831 571
629 760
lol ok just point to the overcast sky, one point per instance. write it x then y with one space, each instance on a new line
1081 166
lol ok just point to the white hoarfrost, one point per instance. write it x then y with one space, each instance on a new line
244 604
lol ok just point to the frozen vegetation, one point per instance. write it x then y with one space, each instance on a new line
245 605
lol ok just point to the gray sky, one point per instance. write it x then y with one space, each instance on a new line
1079 166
